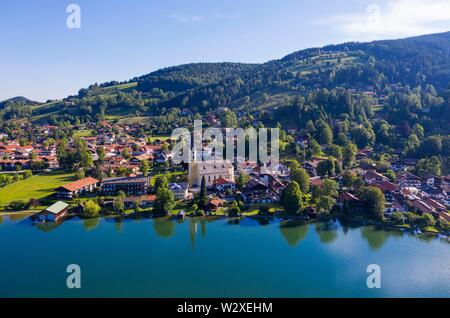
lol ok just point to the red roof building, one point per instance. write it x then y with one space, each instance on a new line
75 188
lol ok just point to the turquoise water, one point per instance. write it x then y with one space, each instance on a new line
217 258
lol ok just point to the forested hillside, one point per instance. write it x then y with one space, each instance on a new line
393 94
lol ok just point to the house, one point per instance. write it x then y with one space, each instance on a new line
129 185
349 202
277 169
406 180
144 201
246 167
272 182
256 192
388 189
311 166
420 206
316 181
214 204
211 171
433 192
372 176
223 184
137 160
398 165
54 212
180 190
78 187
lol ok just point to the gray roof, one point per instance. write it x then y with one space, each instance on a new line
57 207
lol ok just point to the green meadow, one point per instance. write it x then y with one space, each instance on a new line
37 187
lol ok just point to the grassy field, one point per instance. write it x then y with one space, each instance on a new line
38 186
84 133
168 175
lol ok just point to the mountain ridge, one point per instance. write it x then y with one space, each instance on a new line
202 87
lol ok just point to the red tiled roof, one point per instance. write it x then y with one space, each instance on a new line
316 182
347 197
373 175
385 186
222 181
79 184
216 202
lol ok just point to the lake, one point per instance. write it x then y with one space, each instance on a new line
201 257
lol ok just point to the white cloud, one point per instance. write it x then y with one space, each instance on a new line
185 18
393 18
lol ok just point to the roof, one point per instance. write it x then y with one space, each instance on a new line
373 175
316 181
57 207
385 186
347 197
125 180
221 181
216 202
178 186
143 198
79 184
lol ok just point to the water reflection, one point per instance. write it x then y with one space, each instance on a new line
327 231
164 227
118 224
90 224
376 237
293 231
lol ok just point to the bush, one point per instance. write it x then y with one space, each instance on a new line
264 210
17 205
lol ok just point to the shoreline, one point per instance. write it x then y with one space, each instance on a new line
299 218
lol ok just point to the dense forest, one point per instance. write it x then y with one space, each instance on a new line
394 95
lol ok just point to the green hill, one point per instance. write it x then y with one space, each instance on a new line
319 77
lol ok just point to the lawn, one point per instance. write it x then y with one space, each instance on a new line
168 175
84 133
37 187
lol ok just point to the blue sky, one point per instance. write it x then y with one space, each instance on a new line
43 59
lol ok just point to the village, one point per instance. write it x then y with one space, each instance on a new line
116 171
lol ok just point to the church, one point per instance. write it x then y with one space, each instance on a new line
211 170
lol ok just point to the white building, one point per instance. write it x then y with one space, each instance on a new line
211 171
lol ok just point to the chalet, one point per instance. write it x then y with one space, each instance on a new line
54 212
129 185
223 184
433 192
311 167
78 187
349 202
420 206
246 167
272 182
256 192
372 176
316 181
435 205
277 169
388 189
144 201
214 204
407 179
137 160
